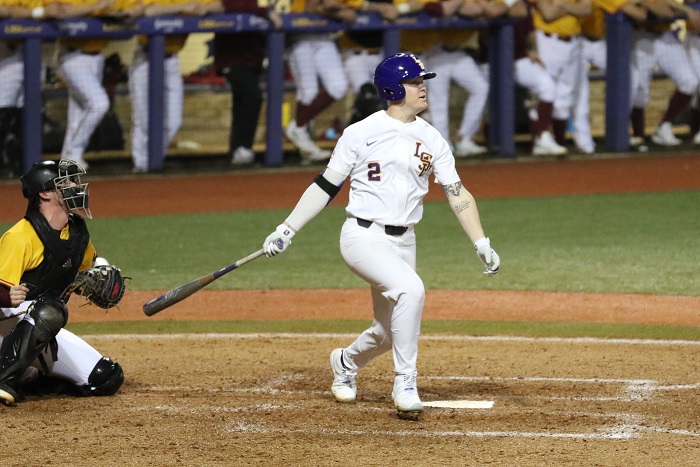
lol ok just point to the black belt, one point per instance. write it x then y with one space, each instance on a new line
561 38
393 230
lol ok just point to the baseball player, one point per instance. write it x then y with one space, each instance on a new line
558 45
315 57
656 45
80 63
11 85
389 157
39 257
452 63
173 86
594 53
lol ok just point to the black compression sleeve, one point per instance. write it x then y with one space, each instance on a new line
326 186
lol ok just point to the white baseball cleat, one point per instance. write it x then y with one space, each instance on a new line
466 147
344 387
405 393
242 156
299 136
664 135
6 398
320 155
545 145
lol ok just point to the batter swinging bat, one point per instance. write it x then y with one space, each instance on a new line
183 291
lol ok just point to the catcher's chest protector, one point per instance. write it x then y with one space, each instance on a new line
62 258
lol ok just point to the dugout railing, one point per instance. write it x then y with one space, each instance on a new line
501 136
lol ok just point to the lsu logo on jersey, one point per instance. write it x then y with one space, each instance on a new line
426 160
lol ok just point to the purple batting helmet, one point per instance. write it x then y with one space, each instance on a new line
395 69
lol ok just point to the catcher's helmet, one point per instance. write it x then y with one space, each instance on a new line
395 69
63 176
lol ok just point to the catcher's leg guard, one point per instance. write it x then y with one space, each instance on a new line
27 341
105 379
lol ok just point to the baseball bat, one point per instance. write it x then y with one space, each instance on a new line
183 291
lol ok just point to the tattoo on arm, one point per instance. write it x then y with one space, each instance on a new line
453 189
461 206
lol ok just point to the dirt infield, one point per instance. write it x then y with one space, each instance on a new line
229 400
264 400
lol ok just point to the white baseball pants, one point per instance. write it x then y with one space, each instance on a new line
173 101
76 358
388 265
563 61
11 76
461 68
315 57
87 99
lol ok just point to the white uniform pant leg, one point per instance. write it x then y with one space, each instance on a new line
174 90
439 62
692 45
534 77
329 66
303 69
11 77
643 63
562 60
673 60
359 67
76 358
88 104
138 90
468 76
388 264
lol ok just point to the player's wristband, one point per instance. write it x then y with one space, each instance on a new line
403 8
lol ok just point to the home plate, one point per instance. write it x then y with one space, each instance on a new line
460 404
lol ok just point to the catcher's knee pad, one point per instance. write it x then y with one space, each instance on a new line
105 379
50 315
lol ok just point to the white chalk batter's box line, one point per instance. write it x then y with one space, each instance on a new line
282 335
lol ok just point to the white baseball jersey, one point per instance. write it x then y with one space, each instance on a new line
389 163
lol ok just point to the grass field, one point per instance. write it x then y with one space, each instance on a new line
628 243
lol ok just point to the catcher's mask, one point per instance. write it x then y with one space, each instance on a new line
62 176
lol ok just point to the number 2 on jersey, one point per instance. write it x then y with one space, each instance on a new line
375 172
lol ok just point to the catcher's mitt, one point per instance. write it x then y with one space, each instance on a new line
102 285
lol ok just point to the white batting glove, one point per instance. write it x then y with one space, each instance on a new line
487 256
278 241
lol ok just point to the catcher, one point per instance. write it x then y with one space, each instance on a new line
44 258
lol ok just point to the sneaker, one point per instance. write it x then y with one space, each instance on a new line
696 139
664 135
405 394
466 147
299 136
636 141
242 156
320 155
344 387
545 145
7 395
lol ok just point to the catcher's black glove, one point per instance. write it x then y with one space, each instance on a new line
102 285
